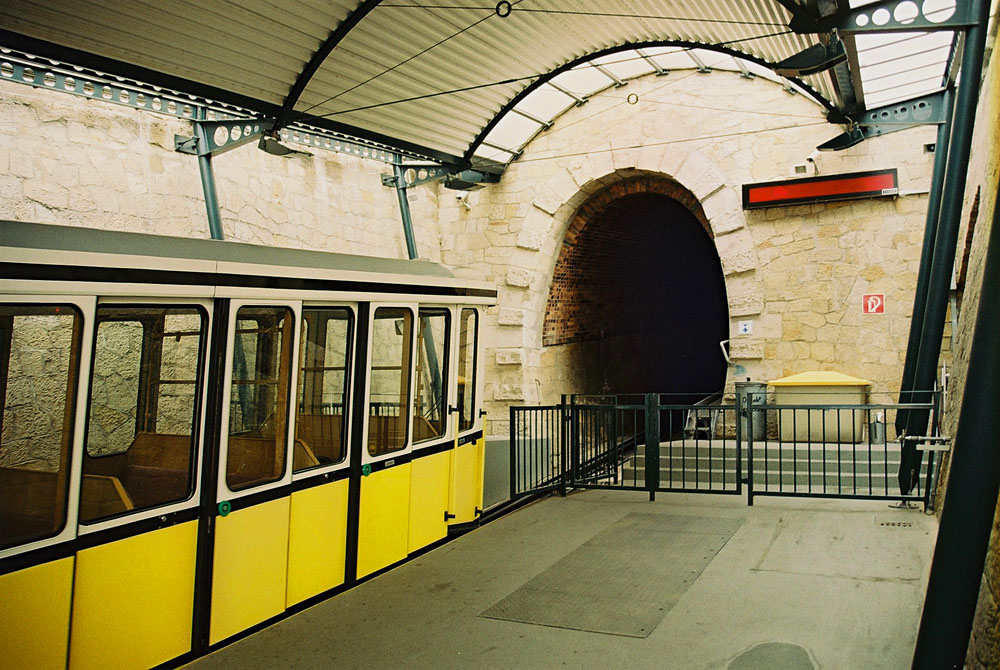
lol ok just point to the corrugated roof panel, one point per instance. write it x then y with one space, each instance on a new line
171 37
427 74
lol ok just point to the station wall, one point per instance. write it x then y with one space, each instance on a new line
797 273
75 161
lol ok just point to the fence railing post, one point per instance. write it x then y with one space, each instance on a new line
514 461
563 447
652 457
739 448
574 440
748 399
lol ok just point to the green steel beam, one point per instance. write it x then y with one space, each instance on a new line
932 109
926 256
900 16
963 535
945 242
208 185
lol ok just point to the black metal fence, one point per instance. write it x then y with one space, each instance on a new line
713 446
837 451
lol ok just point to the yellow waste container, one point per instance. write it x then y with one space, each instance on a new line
821 387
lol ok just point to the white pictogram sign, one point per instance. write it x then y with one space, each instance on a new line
873 303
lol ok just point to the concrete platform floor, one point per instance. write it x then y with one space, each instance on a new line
801 584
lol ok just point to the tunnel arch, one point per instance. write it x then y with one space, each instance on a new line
637 300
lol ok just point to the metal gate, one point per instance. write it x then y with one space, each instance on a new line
601 442
651 442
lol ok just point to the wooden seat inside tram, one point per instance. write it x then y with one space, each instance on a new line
154 470
30 511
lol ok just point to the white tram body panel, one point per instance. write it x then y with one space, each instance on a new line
200 437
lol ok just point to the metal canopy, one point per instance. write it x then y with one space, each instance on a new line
449 80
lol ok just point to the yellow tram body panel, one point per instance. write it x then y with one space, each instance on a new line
249 567
133 600
383 522
467 486
317 540
34 615
429 481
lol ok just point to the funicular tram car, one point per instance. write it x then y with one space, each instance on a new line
199 437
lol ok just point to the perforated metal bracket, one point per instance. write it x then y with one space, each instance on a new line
464 180
901 15
221 136
926 110
922 111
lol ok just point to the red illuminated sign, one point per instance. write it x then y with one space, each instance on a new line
874 184
873 303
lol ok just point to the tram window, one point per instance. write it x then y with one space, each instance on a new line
430 409
324 350
258 404
467 338
39 349
389 397
141 433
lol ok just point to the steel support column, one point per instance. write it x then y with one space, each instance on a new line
926 255
208 184
404 209
971 500
399 180
942 264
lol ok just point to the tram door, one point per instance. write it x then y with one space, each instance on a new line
317 533
133 587
469 452
251 538
383 512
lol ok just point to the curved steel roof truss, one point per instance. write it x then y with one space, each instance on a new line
434 80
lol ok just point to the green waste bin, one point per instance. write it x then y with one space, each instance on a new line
821 387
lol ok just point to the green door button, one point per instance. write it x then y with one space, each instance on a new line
366 469
225 507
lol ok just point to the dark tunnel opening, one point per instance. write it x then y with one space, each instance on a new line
638 298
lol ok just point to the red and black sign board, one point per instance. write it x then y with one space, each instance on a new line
874 184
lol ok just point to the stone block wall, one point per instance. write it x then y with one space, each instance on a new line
797 273
76 161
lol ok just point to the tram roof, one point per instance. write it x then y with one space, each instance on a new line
50 238
469 82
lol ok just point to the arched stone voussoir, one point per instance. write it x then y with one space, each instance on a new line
724 210
700 175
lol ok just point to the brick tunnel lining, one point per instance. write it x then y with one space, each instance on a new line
639 295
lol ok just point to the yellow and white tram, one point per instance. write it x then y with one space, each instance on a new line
199 437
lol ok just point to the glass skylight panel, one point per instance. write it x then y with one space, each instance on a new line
713 59
900 93
625 64
583 80
900 66
492 155
674 60
513 131
761 71
546 103
875 77
879 47
914 59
